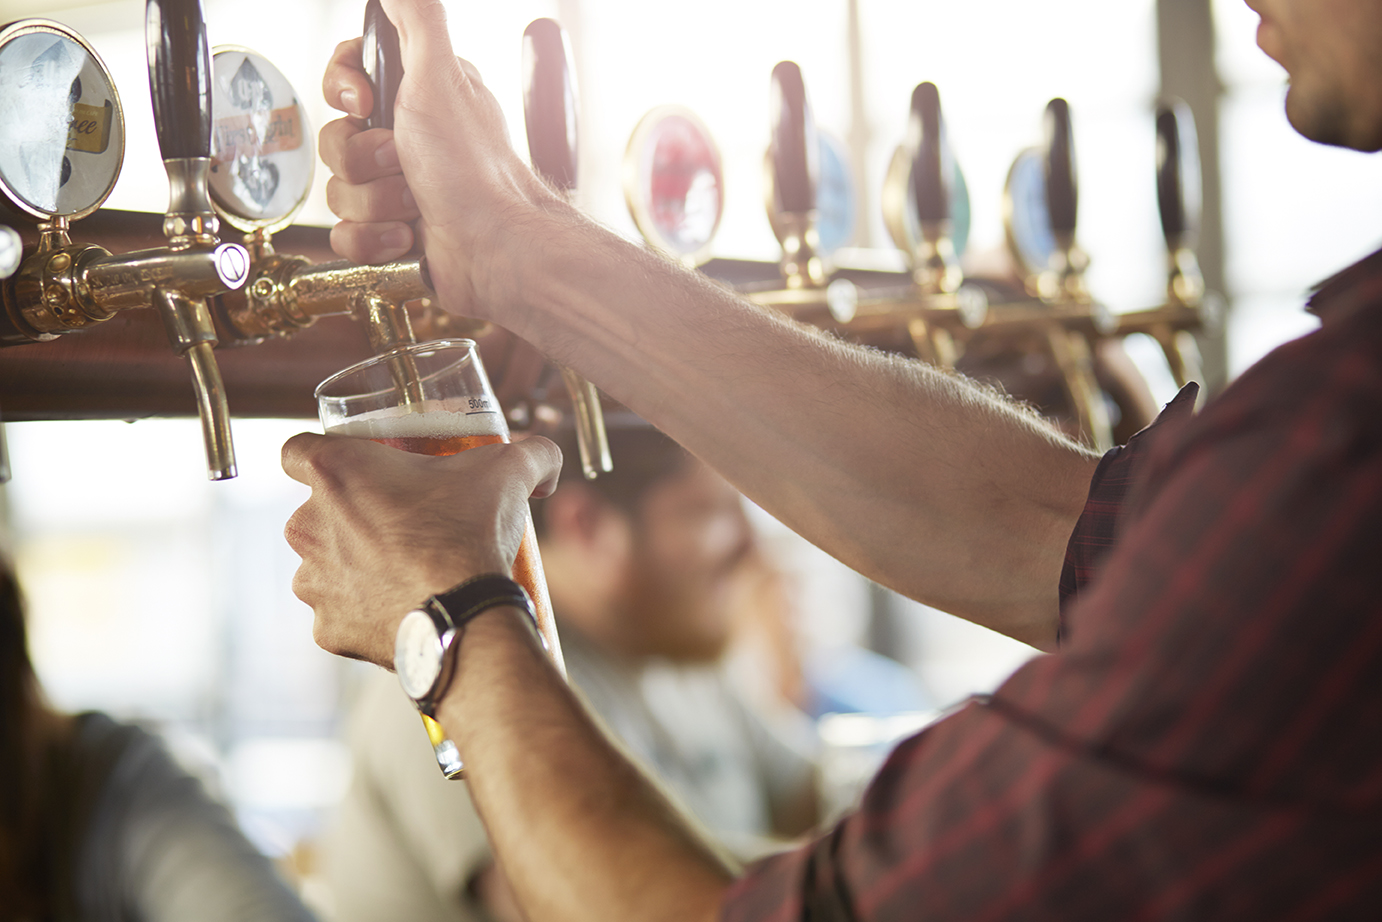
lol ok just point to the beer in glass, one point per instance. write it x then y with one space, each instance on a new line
433 398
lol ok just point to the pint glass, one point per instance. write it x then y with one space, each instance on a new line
433 398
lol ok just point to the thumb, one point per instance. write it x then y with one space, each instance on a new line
540 460
422 35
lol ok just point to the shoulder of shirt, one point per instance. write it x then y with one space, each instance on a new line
1344 285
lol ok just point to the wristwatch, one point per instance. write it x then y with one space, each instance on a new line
423 655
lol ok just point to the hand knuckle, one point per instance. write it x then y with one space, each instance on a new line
346 241
335 195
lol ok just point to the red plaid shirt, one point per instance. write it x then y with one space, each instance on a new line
1208 743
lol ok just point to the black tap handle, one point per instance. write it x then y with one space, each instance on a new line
931 157
549 103
795 150
383 62
1062 183
179 77
1177 173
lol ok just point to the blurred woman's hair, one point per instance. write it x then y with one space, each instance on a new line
28 729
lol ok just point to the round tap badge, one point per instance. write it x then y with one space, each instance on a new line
261 144
1027 217
958 190
959 211
62 137
836 202
674 183
900 210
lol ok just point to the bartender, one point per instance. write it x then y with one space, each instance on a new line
1202 746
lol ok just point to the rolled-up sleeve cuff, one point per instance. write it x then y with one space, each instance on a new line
1096 532
797 886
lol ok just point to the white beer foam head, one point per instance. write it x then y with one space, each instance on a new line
433 420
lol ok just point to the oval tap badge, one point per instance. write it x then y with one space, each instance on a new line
261 144
674 183
62 132
1027 217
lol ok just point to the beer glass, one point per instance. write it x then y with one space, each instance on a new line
433 398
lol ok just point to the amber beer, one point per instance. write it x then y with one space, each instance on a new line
434 399
432 429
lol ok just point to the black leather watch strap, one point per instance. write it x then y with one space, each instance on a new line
461 604
478 595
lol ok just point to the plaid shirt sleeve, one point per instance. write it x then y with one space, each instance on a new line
1206 744
1097 530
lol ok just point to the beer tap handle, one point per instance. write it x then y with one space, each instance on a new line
179 77
792 168
549 104
383 60
1177 174
549 115
931 168
386 321
180 85
795 149
1062 189
1071 350
1178 198
917 196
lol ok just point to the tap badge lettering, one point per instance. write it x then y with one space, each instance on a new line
244 140
90 128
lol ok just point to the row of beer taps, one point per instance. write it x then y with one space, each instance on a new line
211 292
207 290
940 312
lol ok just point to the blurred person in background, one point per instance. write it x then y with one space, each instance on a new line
98 823
647 567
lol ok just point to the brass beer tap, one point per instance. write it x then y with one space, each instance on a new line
1063 279
1178 199
63 287
921 171
1188 307
1068 318
287 293
917 200
916 207
791 169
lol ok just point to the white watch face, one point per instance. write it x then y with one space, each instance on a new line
417 653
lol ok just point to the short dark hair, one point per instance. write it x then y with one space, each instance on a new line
642 456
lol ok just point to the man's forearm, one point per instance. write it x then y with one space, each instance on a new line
920 480
579 832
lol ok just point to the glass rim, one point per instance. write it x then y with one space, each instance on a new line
431 345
